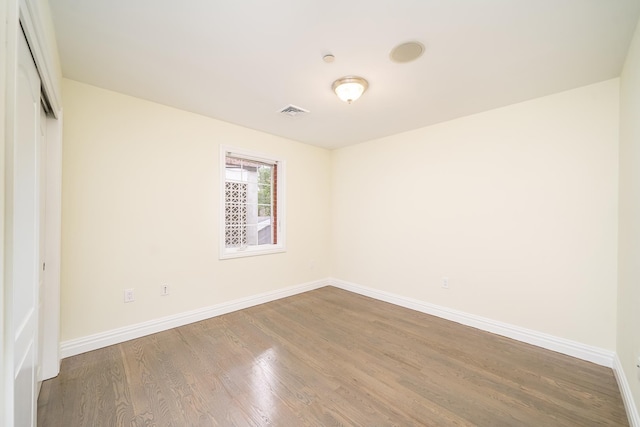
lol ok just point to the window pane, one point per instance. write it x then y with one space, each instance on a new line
252 235
265 232
264 180
235 237
248 203
250 206
264 211
235 215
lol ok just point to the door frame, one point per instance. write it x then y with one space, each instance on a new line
34 18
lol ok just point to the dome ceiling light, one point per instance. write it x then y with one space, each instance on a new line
350 88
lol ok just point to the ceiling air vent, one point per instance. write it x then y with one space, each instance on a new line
293 111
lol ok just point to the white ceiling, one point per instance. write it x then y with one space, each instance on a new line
243 60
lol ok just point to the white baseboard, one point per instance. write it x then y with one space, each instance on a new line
571 348
116 336
581 351
625 391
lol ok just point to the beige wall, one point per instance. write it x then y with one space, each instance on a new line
141 208
516 206
628 348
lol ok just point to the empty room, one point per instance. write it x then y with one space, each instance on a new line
305 213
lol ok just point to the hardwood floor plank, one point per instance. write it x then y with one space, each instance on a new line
328 358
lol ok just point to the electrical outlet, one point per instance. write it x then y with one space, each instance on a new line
129 295
164 290
445 282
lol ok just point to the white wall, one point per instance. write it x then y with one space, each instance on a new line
628 345
516 206
140 209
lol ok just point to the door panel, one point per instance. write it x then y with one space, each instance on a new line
26 240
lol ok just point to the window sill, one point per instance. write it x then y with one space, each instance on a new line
251 251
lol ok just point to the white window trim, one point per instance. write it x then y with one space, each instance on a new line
229 253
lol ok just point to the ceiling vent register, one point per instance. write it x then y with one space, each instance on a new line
293 111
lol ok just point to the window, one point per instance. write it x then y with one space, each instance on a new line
252 204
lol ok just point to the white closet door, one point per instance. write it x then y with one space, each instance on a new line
26 239
42 199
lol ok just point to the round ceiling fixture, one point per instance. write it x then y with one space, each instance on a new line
350 88
328 58
406 52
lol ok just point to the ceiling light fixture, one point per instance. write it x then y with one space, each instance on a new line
328 58
350 88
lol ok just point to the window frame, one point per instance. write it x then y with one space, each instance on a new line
253 250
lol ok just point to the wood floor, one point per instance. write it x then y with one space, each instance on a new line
328 358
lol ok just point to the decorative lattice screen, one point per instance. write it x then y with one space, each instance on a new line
235 214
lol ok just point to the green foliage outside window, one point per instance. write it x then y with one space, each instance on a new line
264 190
